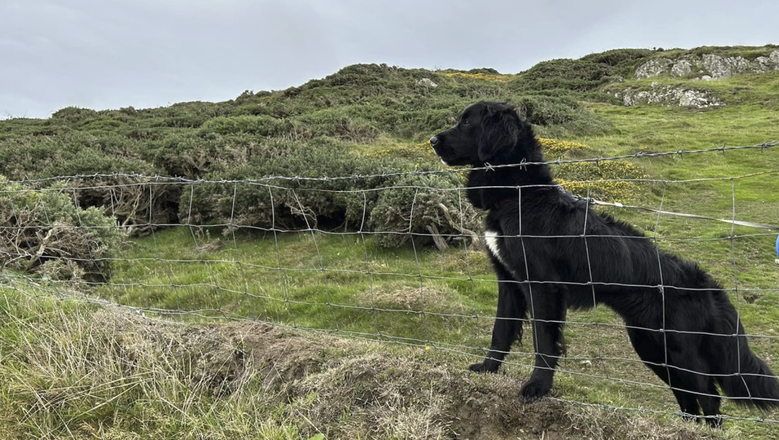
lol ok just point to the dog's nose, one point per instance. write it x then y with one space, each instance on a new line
433 141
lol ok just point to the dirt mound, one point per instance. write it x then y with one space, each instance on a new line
346 388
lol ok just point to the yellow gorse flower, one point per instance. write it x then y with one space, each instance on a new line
557 148
481 76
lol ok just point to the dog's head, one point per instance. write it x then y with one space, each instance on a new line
487 132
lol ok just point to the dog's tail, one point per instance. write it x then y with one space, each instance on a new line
746 377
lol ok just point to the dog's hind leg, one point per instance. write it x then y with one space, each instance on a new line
711 404
650 349
547 308
687 373
692 376
508 322
688 403
696 392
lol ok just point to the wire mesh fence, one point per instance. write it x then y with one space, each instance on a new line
398 262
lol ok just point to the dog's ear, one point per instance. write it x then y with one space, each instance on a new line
500 130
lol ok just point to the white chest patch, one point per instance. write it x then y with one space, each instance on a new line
491 237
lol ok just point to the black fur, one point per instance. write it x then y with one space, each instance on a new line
549 250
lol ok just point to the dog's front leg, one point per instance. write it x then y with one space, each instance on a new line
508 322
547 308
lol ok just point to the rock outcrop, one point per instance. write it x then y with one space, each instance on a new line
708 66
670 96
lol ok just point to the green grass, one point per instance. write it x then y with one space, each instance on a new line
74 370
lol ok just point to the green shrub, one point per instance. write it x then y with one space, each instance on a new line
140 203
575 75
289 203
73 115
186 154
71 154
617 57
427 207
342 124
189 121
559 116
137 203
42 231
37 128
256 125
547 110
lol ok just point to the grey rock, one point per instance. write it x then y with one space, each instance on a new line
427 82
654 67
670 96
764 62
681 68
720 67
708 66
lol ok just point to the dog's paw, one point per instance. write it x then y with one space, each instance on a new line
534 390
687 417
488 366
714 422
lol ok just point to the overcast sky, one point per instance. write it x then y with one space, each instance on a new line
148 53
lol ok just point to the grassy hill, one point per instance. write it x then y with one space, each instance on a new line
214 229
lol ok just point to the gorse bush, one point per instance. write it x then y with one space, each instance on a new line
376 200
575 75
256 125
546 110
189 155
42 231
618 57
341 123
609 180
70 154
555 148
135 203
273 197
428 208
139 203
74 115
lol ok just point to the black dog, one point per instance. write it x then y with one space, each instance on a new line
555 253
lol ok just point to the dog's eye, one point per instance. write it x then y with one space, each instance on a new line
466 122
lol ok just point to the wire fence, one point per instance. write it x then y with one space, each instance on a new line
261 250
